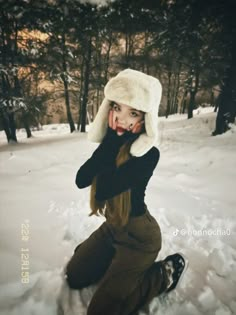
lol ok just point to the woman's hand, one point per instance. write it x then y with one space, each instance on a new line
112 120
137 128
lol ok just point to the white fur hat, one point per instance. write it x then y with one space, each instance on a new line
135 89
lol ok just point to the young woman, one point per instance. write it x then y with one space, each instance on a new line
120 255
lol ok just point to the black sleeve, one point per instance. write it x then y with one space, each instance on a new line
114 181
103 157
89 169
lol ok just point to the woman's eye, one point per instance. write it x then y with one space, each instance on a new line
134 114
116 108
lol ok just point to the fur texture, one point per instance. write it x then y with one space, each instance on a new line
135 89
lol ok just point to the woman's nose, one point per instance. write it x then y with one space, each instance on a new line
121 118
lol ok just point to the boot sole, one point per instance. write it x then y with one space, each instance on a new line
182 273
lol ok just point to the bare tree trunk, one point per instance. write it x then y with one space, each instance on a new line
86 84
24 115
65 82
145 55
227 98
7 91
184 102
107 58
67 102
193 93
172 94
175 101
81 93
128 49
168 94
12 126
191 104
212 99
26 124
5 124
98 77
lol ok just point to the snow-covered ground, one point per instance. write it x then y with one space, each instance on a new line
44 216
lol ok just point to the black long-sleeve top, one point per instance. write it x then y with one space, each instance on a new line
111 180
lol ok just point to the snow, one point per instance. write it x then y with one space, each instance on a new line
44 216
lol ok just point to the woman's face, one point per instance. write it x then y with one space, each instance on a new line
126 117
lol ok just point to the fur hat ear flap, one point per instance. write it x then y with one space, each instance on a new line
146 140
98 128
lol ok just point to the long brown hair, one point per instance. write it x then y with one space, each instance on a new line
117 209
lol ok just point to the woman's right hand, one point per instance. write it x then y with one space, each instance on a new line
112 120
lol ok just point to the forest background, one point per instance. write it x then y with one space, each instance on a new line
56 57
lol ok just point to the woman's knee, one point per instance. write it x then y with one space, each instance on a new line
80 275
72 277
76 273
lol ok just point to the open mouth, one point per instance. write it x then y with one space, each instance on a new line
120 129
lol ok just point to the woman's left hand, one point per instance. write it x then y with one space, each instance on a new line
137 127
